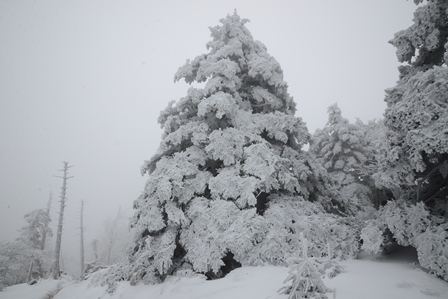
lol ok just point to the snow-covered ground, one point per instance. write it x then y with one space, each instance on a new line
385 277
44 289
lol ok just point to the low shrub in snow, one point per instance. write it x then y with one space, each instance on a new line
305 276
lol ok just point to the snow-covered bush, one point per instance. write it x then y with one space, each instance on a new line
411 225
287 218
331 264
305 277
404 220
15 260
372 237
90 268
432 248
110 276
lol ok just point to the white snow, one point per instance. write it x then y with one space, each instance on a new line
40 290
370 277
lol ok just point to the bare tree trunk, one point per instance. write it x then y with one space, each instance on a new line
112 233
95 250
82 237
30 270
109 249
45 228
62 268
56 267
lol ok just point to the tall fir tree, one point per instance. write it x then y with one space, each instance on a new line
229 163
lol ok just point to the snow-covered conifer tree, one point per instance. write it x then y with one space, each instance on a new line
415 155
305 277
343 150
23 259
34 236
230 161
36 229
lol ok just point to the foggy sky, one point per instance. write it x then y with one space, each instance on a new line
84 82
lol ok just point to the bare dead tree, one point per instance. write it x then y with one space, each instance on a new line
95 249
112 233
81 228
45 229
63 199
30 271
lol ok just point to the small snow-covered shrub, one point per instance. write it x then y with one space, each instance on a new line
331 266
372 236
90 268
305 277
15 259
110 276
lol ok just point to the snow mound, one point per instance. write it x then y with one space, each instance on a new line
246 282
44 289
371 277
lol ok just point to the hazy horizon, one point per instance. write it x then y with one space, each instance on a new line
84 82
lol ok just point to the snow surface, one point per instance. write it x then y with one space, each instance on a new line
40 290
370 277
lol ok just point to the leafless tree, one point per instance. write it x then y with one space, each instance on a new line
81 228
45 230
113 235
63 198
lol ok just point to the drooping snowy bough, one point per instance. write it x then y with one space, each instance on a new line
230 183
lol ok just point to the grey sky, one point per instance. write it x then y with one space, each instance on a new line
84 81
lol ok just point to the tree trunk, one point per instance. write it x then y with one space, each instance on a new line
82 237
56 266
28 279
45 228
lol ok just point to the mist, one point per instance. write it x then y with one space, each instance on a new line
84 82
